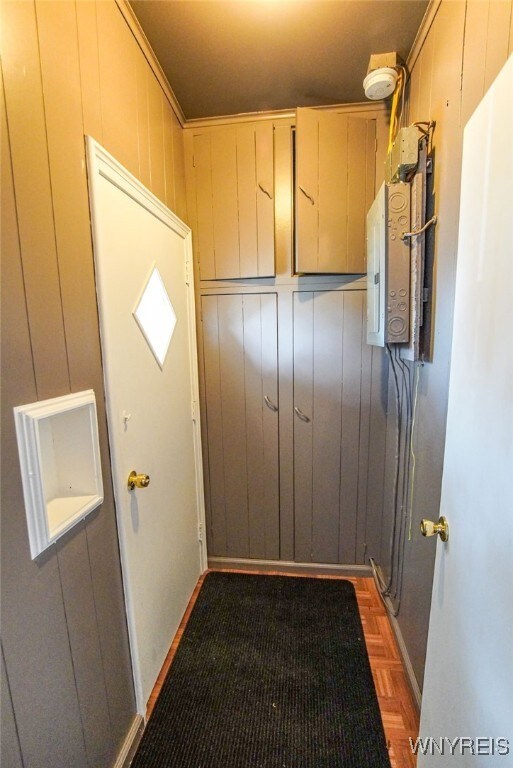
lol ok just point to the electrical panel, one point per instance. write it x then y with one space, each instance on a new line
388 266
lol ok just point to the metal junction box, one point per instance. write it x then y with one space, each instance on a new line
403 158
388 266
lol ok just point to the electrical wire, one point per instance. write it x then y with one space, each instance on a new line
405 77
399 89
406 393
412 452
386 586
404 458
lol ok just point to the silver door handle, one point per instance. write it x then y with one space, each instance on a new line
307 195
270 404
300 413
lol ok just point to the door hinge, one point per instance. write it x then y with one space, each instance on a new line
187 273
200 531
194 410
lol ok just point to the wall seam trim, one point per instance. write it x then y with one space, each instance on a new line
12 705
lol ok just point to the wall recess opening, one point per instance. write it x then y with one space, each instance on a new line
60 464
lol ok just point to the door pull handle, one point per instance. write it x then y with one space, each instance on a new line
307 195
265 191
270 404
300 414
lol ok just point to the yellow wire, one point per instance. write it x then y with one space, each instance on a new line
393 114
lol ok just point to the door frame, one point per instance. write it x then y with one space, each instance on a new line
102 164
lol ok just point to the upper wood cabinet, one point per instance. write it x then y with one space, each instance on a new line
234 187
335 183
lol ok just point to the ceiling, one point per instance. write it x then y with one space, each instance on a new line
224 58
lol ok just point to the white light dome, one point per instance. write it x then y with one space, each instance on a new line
380 83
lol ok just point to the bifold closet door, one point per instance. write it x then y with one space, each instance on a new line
332 366
241 384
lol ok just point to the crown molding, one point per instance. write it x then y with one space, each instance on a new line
423 31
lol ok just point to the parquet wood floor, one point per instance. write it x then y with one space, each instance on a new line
398 710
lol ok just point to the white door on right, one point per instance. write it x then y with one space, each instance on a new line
467 706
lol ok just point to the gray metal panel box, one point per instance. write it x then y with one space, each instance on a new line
397 286
404 155
388 266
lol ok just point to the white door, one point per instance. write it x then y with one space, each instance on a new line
468 691
146 309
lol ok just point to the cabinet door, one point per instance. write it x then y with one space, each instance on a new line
234 179
335 172
331 368
241 383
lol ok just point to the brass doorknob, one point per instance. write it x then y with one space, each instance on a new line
137 481
428 528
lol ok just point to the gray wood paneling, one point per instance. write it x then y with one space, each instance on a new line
240 362
376 455
335 171
22 82
10 753
352 351
75 576
328 383
286 424
303 385
234 200
64 626
98 593
33 617
465 46
330 450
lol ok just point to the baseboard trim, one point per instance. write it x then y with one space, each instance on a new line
131 743
283 566
405 656
408 667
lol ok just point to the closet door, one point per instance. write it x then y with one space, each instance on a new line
335 169
234 185
331 365
241 384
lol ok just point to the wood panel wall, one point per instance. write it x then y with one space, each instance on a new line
466 45
69 69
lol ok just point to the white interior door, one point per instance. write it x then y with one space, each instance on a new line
468 690
146 309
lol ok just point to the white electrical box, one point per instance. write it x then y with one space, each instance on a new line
388 266
60 464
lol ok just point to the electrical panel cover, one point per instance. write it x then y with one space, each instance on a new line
388 266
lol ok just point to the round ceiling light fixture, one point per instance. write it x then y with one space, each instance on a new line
380 83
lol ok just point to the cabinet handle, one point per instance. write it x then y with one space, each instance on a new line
264 190
270 404
300 413
307 195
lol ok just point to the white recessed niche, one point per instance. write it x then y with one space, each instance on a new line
60 464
